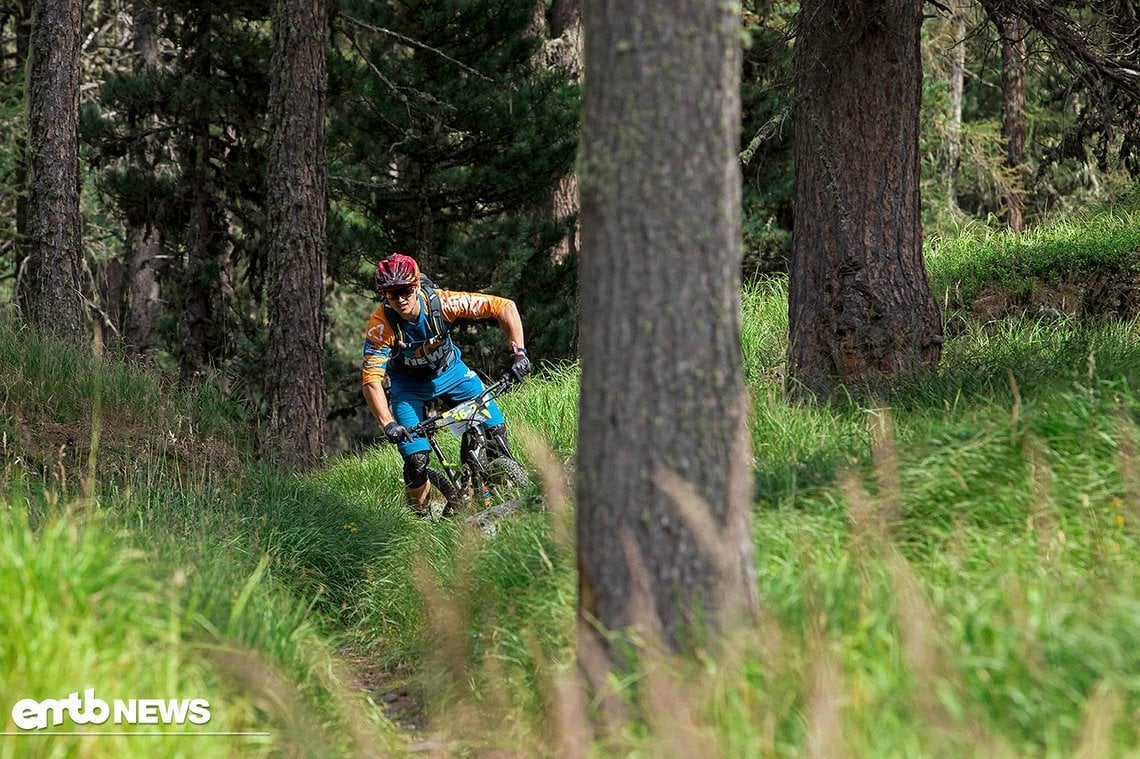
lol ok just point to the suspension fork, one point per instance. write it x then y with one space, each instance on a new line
474 446
448 470
473 453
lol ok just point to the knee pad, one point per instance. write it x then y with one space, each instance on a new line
415 469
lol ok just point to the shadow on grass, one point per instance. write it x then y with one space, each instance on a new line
324 545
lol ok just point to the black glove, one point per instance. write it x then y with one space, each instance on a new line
397 433
520 364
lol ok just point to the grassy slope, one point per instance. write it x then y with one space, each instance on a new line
136 554
998 616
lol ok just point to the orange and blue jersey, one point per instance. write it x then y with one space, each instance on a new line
406 347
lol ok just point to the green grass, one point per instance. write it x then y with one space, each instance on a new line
143 557
999 617
995 615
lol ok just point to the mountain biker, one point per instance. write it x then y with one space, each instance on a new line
408 340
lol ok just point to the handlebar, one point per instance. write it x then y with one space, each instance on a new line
436 421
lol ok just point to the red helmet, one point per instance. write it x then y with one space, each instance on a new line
394 272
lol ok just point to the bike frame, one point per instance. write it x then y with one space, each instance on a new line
472 438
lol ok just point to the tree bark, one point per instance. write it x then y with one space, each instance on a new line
662 387
861 312
1013 127
298 191
957 86
52 297
201 331
22 23
566 32
560 28
139 305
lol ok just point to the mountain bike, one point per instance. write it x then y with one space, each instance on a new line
484 474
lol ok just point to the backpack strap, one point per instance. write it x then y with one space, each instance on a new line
435 311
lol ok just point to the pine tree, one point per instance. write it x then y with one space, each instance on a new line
444 136
180 147
298 194
15 25
51 293
139 307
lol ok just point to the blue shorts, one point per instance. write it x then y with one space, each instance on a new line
455 384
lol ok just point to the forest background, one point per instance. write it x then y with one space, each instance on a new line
452 129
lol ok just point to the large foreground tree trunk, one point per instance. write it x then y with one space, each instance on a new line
861 312
662 388
51 296
298 190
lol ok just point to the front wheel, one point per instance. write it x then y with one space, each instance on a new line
507 473
444 499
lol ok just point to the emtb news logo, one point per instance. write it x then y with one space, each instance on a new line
87 709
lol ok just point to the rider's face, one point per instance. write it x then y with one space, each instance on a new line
405 302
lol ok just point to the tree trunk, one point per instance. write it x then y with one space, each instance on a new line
22 22
566 53
662 387
957 85
560 28
861 312
1013 127
52 297
139 306
298 191
201 331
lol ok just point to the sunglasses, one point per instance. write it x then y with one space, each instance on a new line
402 292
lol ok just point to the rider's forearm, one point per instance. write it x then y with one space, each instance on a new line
378 403
511 323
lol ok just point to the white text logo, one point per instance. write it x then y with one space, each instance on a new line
86 709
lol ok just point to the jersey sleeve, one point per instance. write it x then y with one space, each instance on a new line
379 338
472 306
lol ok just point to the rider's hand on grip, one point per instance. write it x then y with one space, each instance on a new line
520 364
397 433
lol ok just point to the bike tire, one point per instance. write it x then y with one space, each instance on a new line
443 486
507 473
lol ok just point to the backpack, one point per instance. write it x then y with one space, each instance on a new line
437 327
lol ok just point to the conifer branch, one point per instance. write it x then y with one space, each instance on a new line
417 44
391 85
766 131
368 62
1061 29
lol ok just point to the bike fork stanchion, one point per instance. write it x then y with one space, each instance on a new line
447 470
473 451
